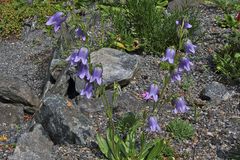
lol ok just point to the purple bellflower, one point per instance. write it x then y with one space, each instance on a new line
153 125
97 75
181 106
80 34
184 64
189 47
73 58
185 24
57 19
176 76
83 55
88 90
152 93
83 71
169 55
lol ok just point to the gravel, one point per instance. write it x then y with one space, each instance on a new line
217 126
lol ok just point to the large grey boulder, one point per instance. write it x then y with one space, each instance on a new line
11 115
118 66
33 145
14 90
64 123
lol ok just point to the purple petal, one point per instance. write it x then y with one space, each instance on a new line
53 18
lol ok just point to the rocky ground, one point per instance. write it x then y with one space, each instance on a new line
217 101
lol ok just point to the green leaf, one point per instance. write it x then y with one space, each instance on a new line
237 55
155 151
102 145
145 150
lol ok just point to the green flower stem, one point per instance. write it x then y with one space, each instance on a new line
108 111
165 84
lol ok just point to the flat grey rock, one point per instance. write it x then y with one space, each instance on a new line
64 123
33 145
14 90
118 66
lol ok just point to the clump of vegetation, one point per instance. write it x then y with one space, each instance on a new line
146 24
13 15
228 59
180 129
227 5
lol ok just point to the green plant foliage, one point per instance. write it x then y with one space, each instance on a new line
143 24
227 5
180 129
228 21
228 59
125 122
15 13
129 149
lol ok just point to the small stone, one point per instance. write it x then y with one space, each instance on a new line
214 92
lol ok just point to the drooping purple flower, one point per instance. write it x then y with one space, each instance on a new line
57 19
80 34
184 64
97 75
169 55
153 125
181 106
88 90
144 94
186 25
83 55
176 76
152 93
189 47
83 71
73 58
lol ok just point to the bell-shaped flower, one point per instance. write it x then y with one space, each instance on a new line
184 64
97 75
73 58
152 93
80 34
87 91
176 76
83 55
57 19
185 24
153 125
169 55
181 106
238 17
189 47
83 71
